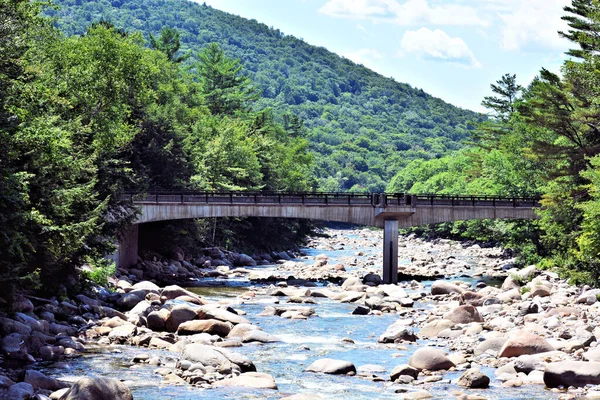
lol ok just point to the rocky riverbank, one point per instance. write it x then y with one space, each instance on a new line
461 334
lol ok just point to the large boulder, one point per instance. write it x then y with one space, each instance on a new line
445 287
433 328
221 314
205 355
464 315
523 342
98 389
173 291
210 326
431 359
254 380
398 332
331 366
147 287
256 335
157 320
572 373
179 314
404 370
240 330
495 344
474 379
20 391
40 381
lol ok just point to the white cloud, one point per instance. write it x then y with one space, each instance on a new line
366 57
362 28
532 24
406 13
439 46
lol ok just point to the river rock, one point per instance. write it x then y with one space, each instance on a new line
430 358
240 330
372 279
210 326
147 287
464 315
221 314
404 370
243 362
433 328
8 326
254 380
361 310
331 366
445 287
122 333
539 291
34 324
523 342
20 391
256 335
398 332
173 291
179 314
474 379
129 300
98 389
572 373
205 355
494 344
157 320
40 381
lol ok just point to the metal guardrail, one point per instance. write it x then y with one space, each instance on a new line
329 199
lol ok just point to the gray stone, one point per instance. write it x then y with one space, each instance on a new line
474 379
431 359
331 366
98 389
254 380
402 370
572 373
397 332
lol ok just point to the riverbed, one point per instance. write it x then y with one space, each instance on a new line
333 333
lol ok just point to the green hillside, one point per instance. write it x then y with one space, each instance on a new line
364 127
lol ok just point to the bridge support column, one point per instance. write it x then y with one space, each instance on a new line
390 251
128 246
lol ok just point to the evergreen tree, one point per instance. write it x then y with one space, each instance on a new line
167 42
584 22
226 90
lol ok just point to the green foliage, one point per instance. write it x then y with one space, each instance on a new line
84 117
362 127
102 269
168 42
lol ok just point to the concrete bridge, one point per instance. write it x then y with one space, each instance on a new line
384 210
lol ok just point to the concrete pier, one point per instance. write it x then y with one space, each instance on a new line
390 251
127 253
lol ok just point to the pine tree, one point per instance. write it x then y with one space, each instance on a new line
585 27
226 90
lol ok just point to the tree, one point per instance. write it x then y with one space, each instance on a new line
508 91
226 91
167 42
585 27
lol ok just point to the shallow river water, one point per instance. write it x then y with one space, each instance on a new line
303 341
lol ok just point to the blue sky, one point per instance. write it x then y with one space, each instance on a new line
452 49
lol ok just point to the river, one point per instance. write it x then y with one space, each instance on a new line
333 333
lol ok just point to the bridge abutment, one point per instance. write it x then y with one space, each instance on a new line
390 251
127 253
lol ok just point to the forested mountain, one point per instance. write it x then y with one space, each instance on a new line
363 126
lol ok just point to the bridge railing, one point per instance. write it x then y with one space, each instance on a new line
357 199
